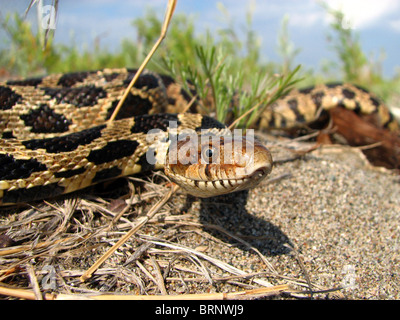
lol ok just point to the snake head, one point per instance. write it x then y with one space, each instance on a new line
207 166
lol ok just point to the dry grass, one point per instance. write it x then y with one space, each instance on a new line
64 238
171 254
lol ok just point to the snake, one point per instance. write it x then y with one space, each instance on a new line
56 137
309 106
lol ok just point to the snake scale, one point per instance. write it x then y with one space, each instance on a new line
55 137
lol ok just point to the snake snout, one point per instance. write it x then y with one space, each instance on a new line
209 168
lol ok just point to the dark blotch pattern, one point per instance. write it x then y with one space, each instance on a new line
209 123
132 106
80 97
32 194
8 98
171 100
145 165
11 168
272 122
317 98
391 118
111 76
30 82
375 102
69 173
112 151
293 105
159 121
45 120
348 93
306 90
107 174
167 80
69 79
65 143
357 108
149 81
7 135
321 122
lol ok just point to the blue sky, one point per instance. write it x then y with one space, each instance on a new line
376 22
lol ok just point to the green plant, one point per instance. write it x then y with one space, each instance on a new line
347 46
25 54
356 67
226 70
222 88
227 74
286 48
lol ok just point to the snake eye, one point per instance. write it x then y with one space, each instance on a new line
209 154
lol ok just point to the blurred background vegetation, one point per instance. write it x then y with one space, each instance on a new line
236 60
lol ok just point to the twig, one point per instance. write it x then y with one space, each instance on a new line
303 268
146 272
34 282
167 19
39 245
190 103
120 242
245 294
160 278
257 105
370 146
212 260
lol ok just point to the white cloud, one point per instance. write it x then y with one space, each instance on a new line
364 13
306 13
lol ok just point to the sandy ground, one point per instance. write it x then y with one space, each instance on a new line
325 221
341 214
328 218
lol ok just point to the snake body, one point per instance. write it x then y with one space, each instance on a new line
307 106
55 138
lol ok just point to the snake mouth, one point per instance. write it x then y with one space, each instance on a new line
254 178
217 187
256 173
260 173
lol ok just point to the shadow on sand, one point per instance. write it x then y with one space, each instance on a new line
229 213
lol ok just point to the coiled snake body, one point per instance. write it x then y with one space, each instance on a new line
310 105
55 138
